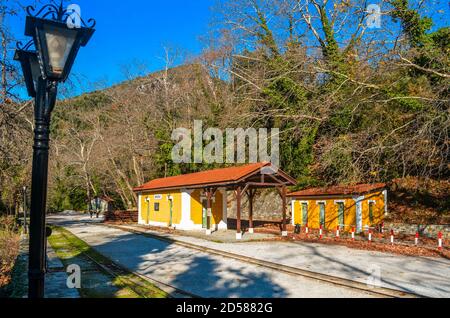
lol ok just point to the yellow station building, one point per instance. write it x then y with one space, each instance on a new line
199 200
362 206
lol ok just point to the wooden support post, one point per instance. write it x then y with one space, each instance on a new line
238 213
251 195
283 198
250 212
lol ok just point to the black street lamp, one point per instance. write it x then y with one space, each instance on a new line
57 44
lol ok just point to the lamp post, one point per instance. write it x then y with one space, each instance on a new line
57 43
25 229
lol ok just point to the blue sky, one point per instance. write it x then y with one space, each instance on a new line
133 30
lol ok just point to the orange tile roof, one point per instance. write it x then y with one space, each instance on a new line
210 177
339 190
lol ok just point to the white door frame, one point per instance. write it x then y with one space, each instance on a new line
359 217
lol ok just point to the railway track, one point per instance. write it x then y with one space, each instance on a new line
132 281
371 290
118 271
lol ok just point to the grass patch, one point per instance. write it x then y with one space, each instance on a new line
100 277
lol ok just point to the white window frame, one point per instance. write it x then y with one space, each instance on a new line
307 209
368 206
318 203
336 202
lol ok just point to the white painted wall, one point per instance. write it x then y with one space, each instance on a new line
223 225
186 223
358 203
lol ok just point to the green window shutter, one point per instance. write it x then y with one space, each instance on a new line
371 207
304 213
322 213
341 209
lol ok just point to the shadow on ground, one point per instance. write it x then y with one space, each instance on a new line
413 285
189 270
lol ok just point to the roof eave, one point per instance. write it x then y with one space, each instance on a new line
303 196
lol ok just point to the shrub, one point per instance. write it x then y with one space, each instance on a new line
9 248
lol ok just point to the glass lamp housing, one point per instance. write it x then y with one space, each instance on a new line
57 45
30 68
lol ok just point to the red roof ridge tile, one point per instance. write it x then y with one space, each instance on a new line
215 176
339 190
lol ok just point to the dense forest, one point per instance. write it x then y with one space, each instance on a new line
353 103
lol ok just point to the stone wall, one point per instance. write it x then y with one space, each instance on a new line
427 230
267 206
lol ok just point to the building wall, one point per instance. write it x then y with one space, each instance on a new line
193 210
147 211
379 209
331 211
197 209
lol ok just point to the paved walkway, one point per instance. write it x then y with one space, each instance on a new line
427 276
196 272
223 236
56 279
421 275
